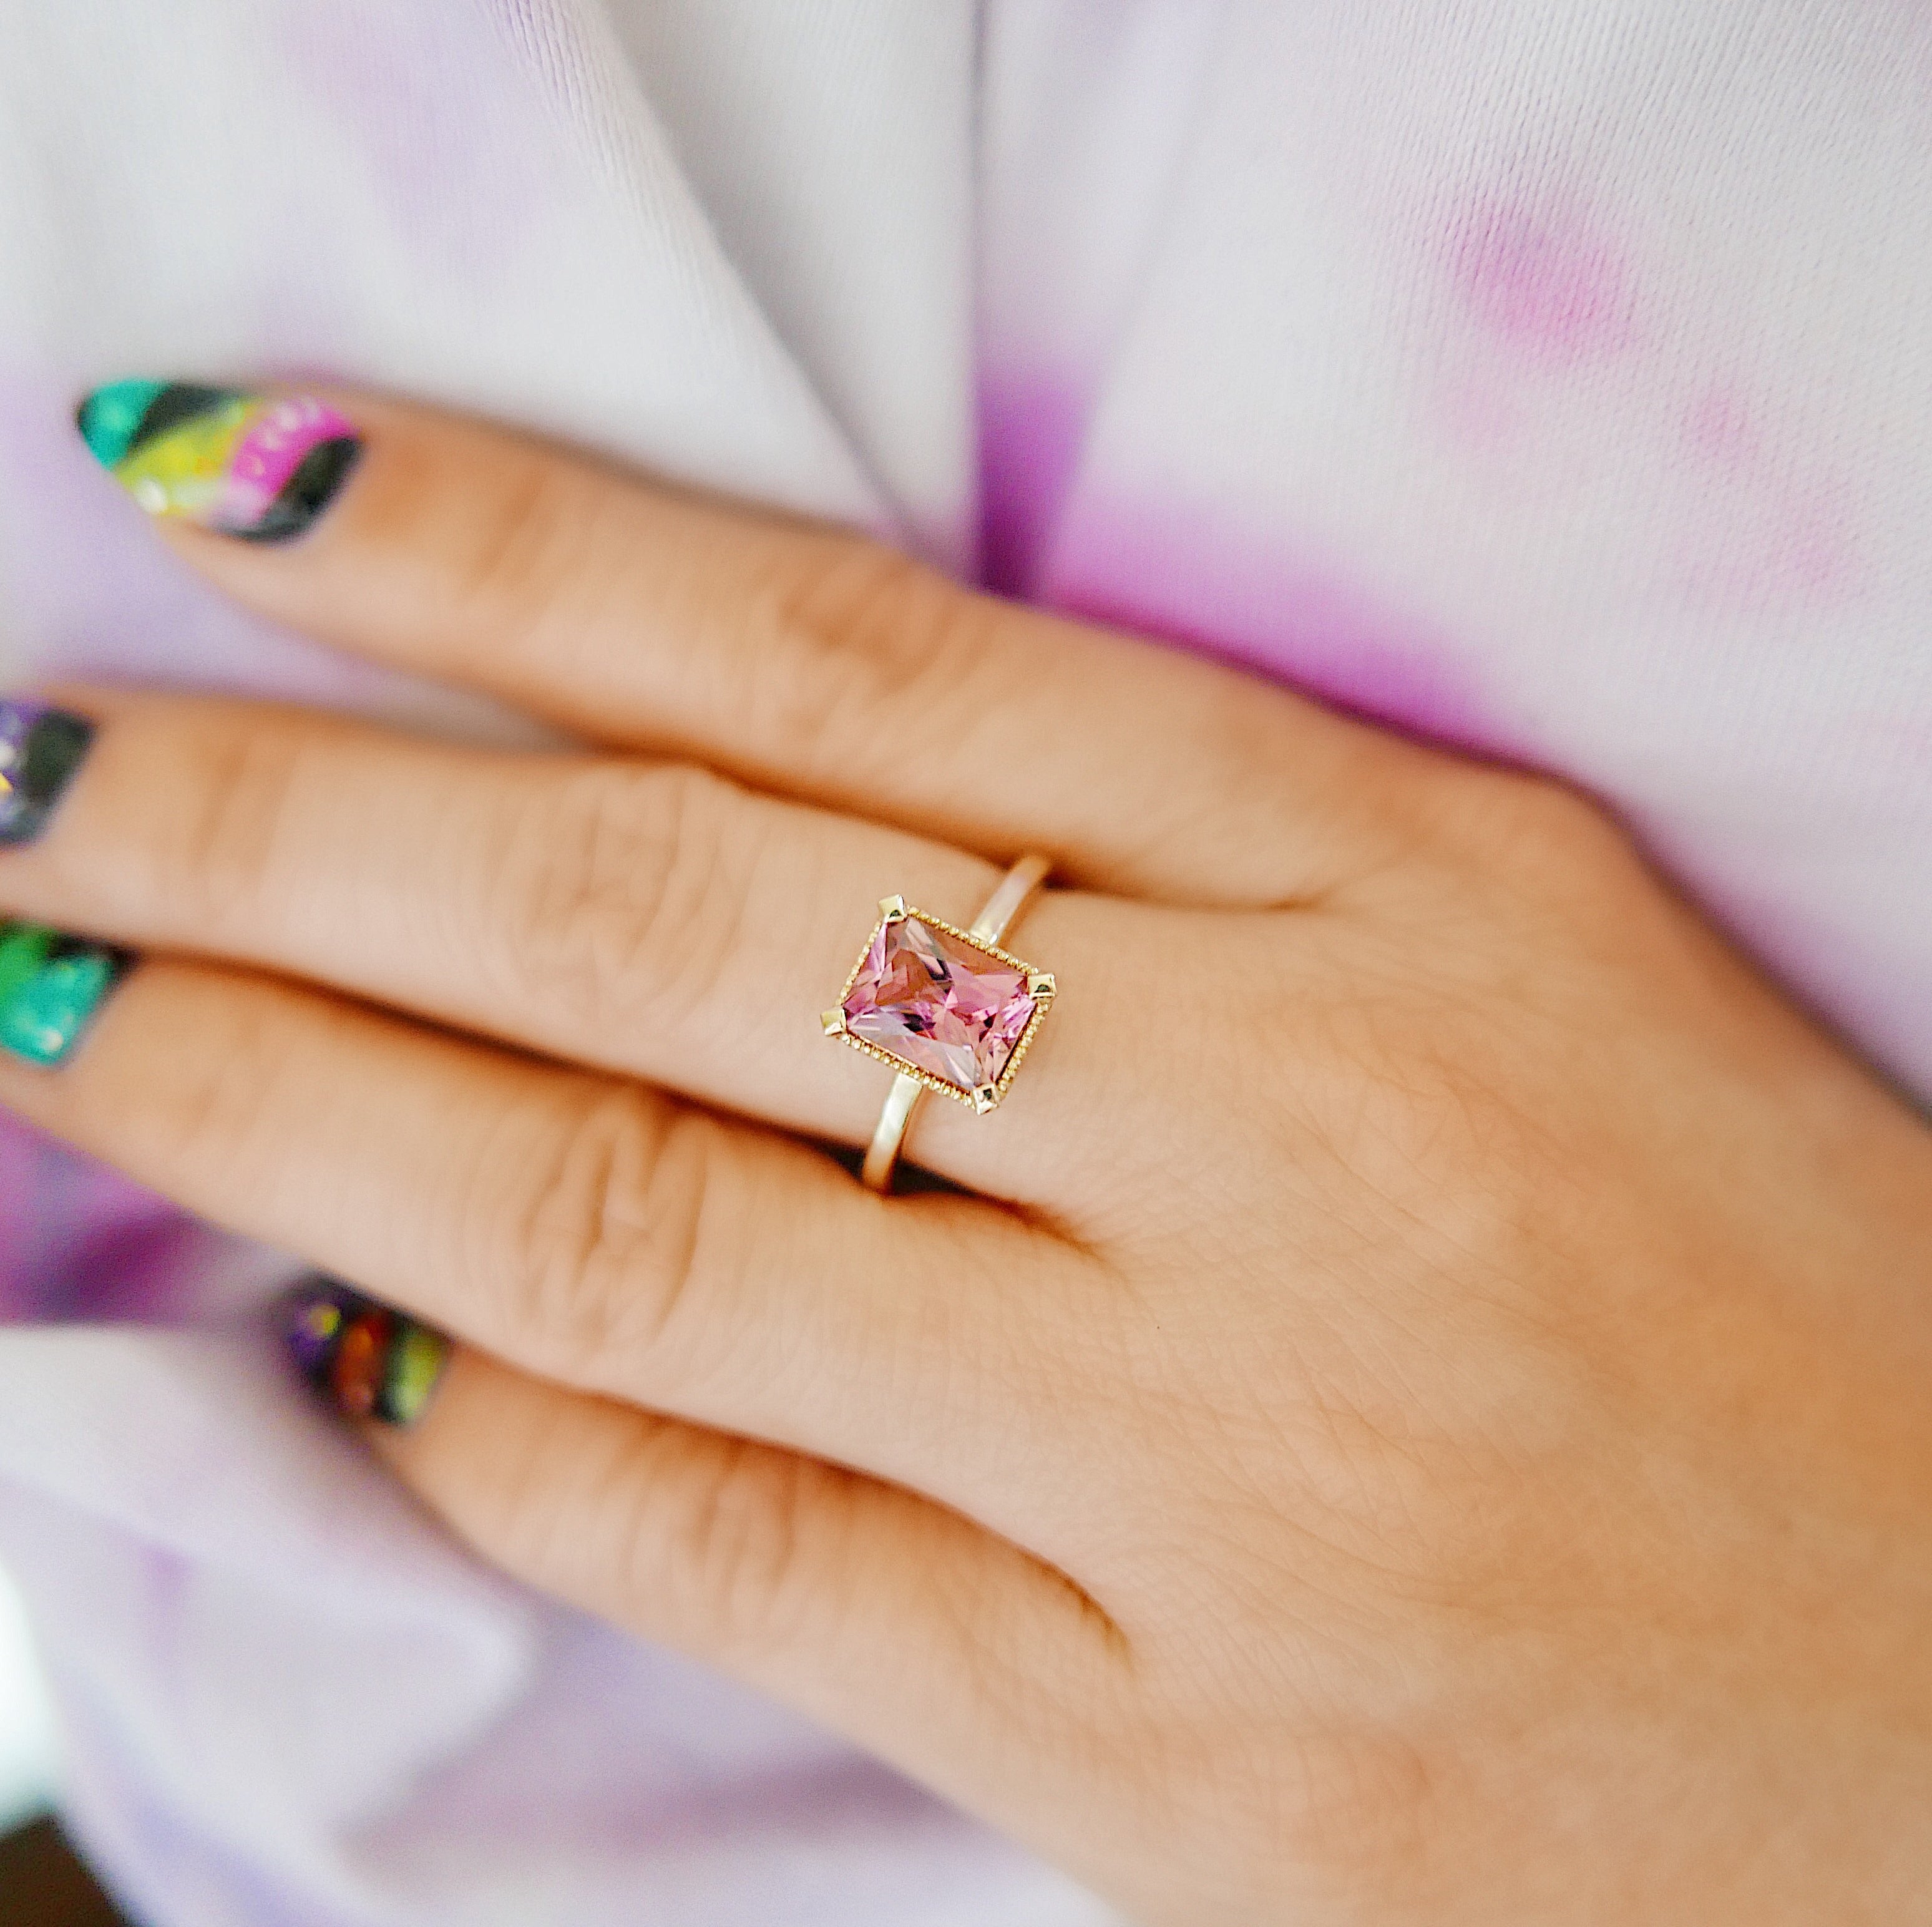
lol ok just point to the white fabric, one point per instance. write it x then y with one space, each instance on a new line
1553 376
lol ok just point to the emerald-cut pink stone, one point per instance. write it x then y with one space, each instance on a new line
939 1003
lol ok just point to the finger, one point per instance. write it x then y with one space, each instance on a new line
595 1232
920 1638
812 661
899 1624
653 920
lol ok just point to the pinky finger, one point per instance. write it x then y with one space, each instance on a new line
920 1637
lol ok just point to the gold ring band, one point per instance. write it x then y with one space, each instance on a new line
1008 1001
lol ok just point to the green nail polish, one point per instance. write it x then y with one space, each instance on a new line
50 986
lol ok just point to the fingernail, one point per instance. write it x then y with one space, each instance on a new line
366 1360
41 749
261 467
50 986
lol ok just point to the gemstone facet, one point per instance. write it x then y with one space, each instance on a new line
957 1013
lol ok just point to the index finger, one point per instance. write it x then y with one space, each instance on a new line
801 659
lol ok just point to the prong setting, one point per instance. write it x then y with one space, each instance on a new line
1028 995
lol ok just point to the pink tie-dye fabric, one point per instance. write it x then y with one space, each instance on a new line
1553 379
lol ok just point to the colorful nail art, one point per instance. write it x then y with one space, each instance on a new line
367 1361
262 467
50 986
40 750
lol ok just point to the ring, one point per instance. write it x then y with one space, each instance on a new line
947 1008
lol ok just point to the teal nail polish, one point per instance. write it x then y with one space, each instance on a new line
50 986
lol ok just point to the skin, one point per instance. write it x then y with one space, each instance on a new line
1417 1411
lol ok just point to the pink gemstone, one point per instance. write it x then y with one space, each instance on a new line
941 1004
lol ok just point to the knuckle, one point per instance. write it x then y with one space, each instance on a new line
1536 824
610 1237
215 1095
1564 821
514 550
214 855
851 636
737 1552
615 902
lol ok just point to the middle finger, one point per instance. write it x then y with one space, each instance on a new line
650 918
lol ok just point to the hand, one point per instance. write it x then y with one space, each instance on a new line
1417 1409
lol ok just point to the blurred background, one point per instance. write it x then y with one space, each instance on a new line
41 1883
26 1726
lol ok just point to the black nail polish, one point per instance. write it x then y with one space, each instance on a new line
41 750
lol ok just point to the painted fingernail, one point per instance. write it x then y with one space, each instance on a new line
50 986
261 467
41 749
366 1360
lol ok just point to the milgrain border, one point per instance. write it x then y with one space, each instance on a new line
1040 984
